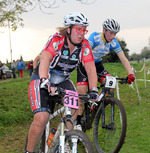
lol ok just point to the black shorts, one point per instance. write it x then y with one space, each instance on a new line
40 100
82 78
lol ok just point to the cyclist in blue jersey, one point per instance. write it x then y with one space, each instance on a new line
102 44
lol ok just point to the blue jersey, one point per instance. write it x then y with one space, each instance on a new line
100 47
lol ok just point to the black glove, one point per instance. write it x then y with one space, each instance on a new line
93 95
44 83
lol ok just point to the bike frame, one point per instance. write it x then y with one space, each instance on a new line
60 130
55 114
101 99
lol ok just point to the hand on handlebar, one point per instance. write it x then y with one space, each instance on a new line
131 78
93 95
45 83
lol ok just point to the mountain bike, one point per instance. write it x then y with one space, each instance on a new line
73 141
110 123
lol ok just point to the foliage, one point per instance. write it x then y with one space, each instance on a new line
145 53
11 10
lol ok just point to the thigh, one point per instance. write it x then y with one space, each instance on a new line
40 100
68 85
101 71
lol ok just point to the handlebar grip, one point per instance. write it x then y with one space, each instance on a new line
124 80
59 91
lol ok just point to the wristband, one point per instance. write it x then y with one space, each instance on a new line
94 89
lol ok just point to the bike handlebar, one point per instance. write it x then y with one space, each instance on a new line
123 80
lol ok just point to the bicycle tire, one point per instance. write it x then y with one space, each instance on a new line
40 147
110 140
84 143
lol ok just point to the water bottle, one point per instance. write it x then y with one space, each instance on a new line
51 136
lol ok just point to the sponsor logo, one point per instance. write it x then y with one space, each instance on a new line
55 45
65 52
73 56
86 52
113 43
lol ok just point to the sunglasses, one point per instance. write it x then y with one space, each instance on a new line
80 30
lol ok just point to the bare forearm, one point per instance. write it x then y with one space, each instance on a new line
35 62
43 69
92 80
127 66
125 62
44 64
91 73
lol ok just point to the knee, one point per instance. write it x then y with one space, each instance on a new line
82 89
40 119
112 90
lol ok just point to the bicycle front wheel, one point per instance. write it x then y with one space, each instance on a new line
84 144
110 138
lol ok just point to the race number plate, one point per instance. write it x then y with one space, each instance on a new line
71 99
110 82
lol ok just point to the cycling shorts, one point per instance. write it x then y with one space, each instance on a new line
82 78
40 100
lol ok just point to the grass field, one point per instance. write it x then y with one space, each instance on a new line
16 115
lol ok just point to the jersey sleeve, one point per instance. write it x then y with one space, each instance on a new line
115 46
91 39
52 44
87 55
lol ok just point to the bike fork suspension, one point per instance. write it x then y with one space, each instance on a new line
111 124
112 112
62 136
103 115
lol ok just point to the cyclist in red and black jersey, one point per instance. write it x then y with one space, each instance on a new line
60 56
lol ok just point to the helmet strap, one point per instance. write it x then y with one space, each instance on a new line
69 36
105 38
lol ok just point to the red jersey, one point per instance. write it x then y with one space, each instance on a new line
63 63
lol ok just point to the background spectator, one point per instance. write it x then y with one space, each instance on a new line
31 70
13 67
20 67
29 67
2 72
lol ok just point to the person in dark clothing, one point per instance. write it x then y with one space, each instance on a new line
13 67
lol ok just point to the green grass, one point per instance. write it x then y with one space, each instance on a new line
16 115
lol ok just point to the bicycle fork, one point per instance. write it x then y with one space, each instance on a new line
62 136
109 126
74 139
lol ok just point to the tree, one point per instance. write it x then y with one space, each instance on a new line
135 57
21 58
11 10
7 61
145 53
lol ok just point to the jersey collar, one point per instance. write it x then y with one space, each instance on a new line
102 35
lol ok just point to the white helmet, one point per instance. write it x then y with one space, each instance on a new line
75 18
111 25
